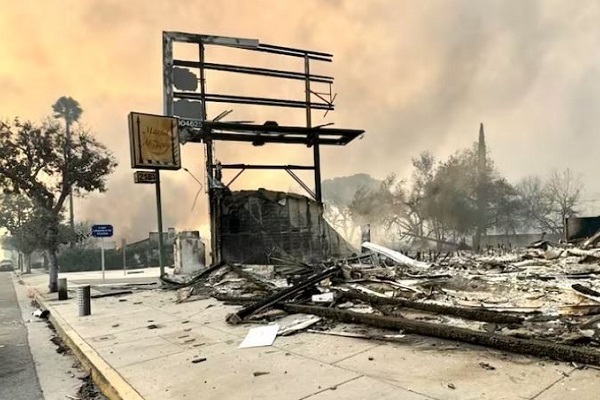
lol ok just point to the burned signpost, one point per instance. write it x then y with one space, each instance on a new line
154 145
186 97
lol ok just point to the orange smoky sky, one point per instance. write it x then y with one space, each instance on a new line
416 75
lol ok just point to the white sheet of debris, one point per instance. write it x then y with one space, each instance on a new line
395 255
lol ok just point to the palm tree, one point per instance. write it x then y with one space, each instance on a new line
68 109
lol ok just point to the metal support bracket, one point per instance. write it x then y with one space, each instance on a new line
301 183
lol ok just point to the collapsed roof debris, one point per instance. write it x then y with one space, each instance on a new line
542 300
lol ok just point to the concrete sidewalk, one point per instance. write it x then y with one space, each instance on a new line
143 345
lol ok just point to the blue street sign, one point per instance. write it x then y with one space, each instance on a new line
102 230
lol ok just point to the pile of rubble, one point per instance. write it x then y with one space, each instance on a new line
540 301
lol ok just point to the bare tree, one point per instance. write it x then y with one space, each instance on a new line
375 206
563 191
338 194
411 223
340 219
547 204
535 204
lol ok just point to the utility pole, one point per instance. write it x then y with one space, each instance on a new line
161 254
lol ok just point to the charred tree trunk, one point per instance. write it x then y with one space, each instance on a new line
52 249
20 261
53 270
27 263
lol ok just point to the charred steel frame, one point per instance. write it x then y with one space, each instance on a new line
205 131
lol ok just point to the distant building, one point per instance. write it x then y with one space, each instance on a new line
516 240
168 237
108 244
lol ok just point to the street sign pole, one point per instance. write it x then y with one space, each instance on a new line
102 231
103 265
160 225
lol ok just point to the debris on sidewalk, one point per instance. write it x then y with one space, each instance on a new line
111 294
89 391
540 300
41 313
487 366
398 257
259 337
60 347
322 298
296 322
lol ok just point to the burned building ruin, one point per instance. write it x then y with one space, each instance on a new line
263 226
251 226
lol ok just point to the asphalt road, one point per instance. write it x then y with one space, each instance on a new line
18 378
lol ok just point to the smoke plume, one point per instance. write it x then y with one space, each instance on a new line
415 75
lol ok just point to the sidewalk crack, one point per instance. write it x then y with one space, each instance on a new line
329 388
553 383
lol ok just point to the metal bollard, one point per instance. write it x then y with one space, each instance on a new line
84 300
62 289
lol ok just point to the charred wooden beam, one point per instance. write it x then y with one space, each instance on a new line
506 343
585 290
198 278
280 296
257 280
467 313
235 300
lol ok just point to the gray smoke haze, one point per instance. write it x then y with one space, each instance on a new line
416 75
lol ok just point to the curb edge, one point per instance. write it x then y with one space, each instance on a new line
108 380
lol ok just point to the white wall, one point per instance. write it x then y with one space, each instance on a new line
8 254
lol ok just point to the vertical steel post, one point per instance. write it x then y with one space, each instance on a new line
315 137
168 110
212 211
167 49
160 224
62 289
84 300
